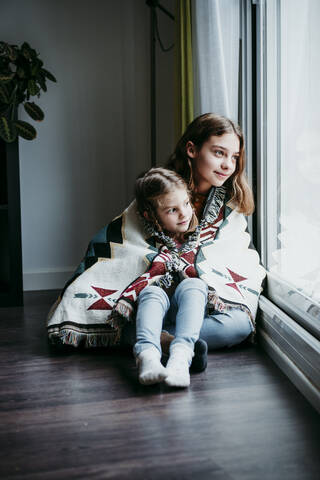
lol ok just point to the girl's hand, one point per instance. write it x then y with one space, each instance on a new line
215 302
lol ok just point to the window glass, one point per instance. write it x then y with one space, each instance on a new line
293 213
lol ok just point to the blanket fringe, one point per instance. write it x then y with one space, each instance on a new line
122 309
67 336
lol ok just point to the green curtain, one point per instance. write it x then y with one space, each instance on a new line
184 109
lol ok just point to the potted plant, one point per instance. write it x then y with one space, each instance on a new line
22 76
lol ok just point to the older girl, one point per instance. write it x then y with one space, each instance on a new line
210 155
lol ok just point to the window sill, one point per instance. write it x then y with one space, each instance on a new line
301 308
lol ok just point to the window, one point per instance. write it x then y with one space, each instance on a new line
289 142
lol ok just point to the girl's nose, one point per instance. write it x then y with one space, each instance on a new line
227 162
183 212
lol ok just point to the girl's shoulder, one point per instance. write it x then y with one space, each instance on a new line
216 200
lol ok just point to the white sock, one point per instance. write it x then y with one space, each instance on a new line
178 365
151 369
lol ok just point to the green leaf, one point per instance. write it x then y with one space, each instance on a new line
3 48
12 98
26 46
3 108
8 130
8 51
25 130
42 82
32 87
6 77
4 96
34 70
22 87
26 50
33 53
48 75
34 111
13 54
20 72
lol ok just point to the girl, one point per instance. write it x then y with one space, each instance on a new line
210 158
211 155
163 200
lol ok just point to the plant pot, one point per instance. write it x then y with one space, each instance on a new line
11 293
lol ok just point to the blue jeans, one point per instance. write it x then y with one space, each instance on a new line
222 329
219 330
188 303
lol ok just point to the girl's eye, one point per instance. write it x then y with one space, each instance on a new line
187 203
235 158
218 153
171 210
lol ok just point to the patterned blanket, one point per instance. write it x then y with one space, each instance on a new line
125 256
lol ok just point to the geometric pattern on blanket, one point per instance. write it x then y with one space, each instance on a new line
122 252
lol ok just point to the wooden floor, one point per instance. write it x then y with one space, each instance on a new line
82 414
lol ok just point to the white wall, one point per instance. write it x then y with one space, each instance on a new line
95 138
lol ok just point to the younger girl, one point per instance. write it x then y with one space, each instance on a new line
163 201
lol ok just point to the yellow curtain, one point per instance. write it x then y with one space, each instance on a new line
184 110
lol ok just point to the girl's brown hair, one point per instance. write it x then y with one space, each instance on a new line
198 132
151 186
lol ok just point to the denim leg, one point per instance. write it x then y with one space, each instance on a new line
225 329
153 304
189 301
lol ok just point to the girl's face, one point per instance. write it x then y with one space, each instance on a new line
174 211
215 162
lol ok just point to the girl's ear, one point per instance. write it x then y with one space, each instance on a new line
191 149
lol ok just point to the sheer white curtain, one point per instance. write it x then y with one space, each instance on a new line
215 38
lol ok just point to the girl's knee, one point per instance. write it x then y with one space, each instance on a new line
192 283
226 330
151 290
155 293
241 328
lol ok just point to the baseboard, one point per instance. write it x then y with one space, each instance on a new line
50 279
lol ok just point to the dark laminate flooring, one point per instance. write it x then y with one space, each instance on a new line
82 414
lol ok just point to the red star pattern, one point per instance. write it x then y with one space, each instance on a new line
102 304
237 278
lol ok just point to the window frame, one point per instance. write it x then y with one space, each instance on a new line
288 333
268 78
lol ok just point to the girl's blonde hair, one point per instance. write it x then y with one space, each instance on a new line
198 132
151 186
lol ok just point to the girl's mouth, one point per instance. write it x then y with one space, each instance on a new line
223 175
